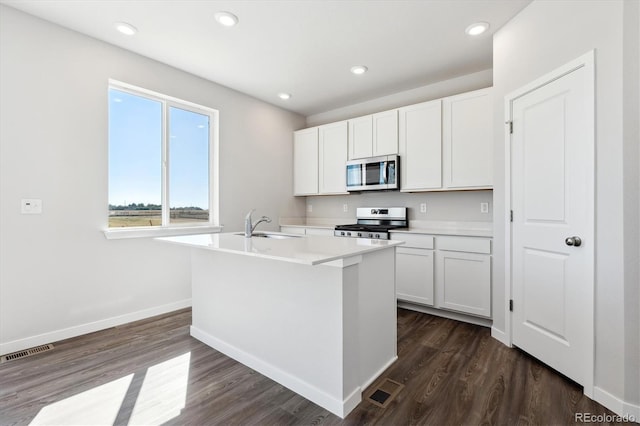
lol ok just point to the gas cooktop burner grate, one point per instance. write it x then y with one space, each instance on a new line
374 223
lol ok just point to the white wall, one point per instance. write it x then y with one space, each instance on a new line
544 36
453 86
460 206
59 276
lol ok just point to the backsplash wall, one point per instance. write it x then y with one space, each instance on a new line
445 205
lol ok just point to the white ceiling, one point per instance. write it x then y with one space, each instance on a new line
303 47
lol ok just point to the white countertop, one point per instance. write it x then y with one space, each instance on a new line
308 250
460 232
430 227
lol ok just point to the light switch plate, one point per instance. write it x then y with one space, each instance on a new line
345 207
309 208
484 207
31 206
423 207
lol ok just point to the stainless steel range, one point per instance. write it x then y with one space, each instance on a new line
374 222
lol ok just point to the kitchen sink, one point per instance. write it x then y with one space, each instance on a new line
270 235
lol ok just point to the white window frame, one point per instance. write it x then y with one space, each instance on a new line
168 229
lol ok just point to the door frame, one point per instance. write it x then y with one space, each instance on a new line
586 61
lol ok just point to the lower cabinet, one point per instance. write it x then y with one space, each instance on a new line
446 272
464 282
414 275
299 230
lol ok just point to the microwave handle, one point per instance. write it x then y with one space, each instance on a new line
384 172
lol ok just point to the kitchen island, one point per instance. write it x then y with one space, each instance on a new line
316 314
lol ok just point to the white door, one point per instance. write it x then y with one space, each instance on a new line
552 175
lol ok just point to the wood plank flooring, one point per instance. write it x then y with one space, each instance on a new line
154 372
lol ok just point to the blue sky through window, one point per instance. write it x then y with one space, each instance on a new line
135 153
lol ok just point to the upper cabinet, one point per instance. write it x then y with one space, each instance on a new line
319 157
305 162
332 158
420 146
361 137
373 135
385 133
467 140
445 144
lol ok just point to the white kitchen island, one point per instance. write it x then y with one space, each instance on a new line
316 314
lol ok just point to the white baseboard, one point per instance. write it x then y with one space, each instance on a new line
337 406
78 330
500 336
624 409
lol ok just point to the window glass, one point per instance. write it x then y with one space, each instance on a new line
189 176
159 160
135 160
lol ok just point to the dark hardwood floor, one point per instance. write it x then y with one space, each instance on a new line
154 372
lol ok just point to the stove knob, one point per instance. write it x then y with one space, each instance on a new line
359 234
348 234
377 235
342 233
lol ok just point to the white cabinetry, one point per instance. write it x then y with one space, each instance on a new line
385 133
467 140
414 269
444 144
463 275
373 135
447 272
299 230
420 146
361 137
305 162
332 158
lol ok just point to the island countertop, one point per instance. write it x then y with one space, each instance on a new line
308 250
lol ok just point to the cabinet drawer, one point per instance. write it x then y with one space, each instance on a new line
413 240
292 230
466 244
320 231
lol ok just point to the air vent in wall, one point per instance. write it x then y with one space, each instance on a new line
25 353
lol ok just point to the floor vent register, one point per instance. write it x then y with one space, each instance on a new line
25 353
384 393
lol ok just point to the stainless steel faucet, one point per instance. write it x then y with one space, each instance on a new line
249 228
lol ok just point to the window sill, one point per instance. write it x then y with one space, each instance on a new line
122 233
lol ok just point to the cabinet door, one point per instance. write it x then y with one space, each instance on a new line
305 162
333 157
467 140
361 137
292 230
414 275
385 133
463 282
320 231
420 147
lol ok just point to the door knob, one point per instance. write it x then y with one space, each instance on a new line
573 241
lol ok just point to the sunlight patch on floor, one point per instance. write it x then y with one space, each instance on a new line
164 392
161 397
99 405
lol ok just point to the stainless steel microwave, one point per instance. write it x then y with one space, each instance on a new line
374 173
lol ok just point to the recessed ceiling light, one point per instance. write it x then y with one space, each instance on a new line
477 28
284 96
126 29
227 19
359 69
